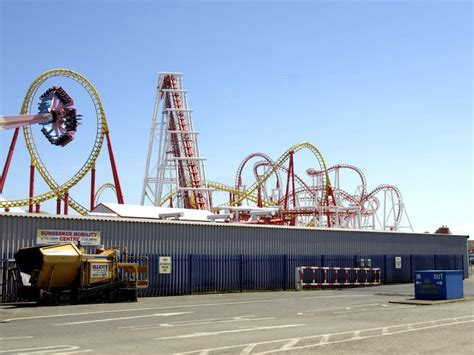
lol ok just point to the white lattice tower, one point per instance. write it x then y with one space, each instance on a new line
174 168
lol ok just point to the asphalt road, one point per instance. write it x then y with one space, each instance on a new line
328 321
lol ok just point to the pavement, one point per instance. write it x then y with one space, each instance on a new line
352 321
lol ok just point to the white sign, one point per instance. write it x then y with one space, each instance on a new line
52 236
398 262
165 265
99 270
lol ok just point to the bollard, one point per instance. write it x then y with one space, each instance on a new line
298 279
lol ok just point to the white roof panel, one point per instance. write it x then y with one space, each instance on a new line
151 212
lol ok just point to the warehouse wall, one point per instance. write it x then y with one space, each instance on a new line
223 257
175 237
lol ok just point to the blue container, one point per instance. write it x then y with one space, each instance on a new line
438 284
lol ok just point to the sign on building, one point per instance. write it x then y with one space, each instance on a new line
398 262
165 265
53 236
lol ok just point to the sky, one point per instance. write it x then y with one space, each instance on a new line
383 85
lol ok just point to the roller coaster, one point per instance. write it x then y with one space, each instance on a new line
57 114
311 203
277 195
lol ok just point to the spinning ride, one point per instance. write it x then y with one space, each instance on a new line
58 116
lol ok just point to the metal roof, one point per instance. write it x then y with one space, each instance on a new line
113 218
152 212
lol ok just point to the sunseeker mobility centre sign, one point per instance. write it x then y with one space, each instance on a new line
53 236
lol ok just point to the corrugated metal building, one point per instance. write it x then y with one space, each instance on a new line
224 249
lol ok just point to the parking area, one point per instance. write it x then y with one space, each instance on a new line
357 320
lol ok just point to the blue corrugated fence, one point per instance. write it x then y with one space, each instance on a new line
233 273
191 273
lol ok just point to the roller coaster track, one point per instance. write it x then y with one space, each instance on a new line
191 177
278 163
58 190
214 185
398 194
101 189
314 172
299 180
345 195
238 176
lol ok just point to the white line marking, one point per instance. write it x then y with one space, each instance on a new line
43 349
336 308
356 335
203 334
16 338
325 337
291 343
368 336
154 326
184 322
123 318
248 349
349 311
182 306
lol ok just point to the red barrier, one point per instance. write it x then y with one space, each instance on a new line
353 276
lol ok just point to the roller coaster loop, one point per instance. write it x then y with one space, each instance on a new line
61 190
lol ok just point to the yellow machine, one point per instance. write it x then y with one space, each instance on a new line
64 273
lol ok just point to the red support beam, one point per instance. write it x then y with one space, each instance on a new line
118 188
58 205
37 208
9 159
288 177
293 179
259 196
92 187
32 187
66 202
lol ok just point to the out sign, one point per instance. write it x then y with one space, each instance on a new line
165 265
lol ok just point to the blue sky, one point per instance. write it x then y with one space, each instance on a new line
383 85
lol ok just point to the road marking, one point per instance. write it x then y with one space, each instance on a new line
337 308
182 306
203 334
324 338
161 325
47 349
179 323
123 318
366 337
346 307
248 349
386 308
356 335
291 343
16 338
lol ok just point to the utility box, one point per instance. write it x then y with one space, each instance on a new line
439 284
